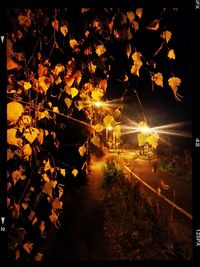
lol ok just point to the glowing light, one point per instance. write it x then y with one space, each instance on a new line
98 104
109 128
145 130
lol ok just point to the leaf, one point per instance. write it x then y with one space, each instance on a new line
103 84
14 111
28 246
47 189
73 43
27 86
16 175
53 217
47 165
153 140
55 109
166 35
98 128
69 80
63 172
82 150
139 12
174 83
171 54
96 140
158 79
43 114
12 139
153 25
55 24
31 134
24 206
141 139
17 254
38 256
74 92
68 102
78 76
60 191
57 204
135 25
42 226
40 136
108 120
11 65
97 94
130 16
44 83
137 63
75 172
58 68
64 30
117 131
45 177
100 49
128 50
27 150
91 67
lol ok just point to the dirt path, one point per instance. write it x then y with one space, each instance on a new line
82 234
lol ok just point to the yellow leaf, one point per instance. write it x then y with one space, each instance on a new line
174 83
58 68
43 114
158 79
45 177
64 30
27 150
16 175
108 120
137 63
28 246
57 204
139 12
55 24
47 165
97 94
31 134
55 109
100 49
117 131
47 189
166 35
80 105
27 86
130 16
153 140
40 136
68 102
44 83
171 54
73 43
14 111
91 67
154 25
38 256
96 140
25 120
141 139
135 25
69 80
78 76
74 92
82 150
63 172
98 128
75 172
53 217
12 139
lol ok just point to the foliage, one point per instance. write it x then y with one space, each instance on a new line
59 65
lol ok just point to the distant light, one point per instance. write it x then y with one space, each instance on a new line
98 104
109 128
145 129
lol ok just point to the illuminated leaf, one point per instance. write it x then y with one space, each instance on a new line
55 24
28 246
69 80
98 128
171 54
96 140
97 94
117 131
45 177
47 189
82 150
108 120
158 79
44 83
63 172
14 111
73 43
64 30
27 150
57 204
74 92
91 67
166 35
128 50
58 68
12 139
78 76
16 175
55 109
100 49
130 16
75 172
38 256
11 65
24 206
139 12
27 86
103 84
80 105
141 139
154 25
153 140
53 217
10 154
60 191
47 165
43 114
40 136
137 63
42 226
25 120
31 134
135 25
117 113
68 102
174 83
